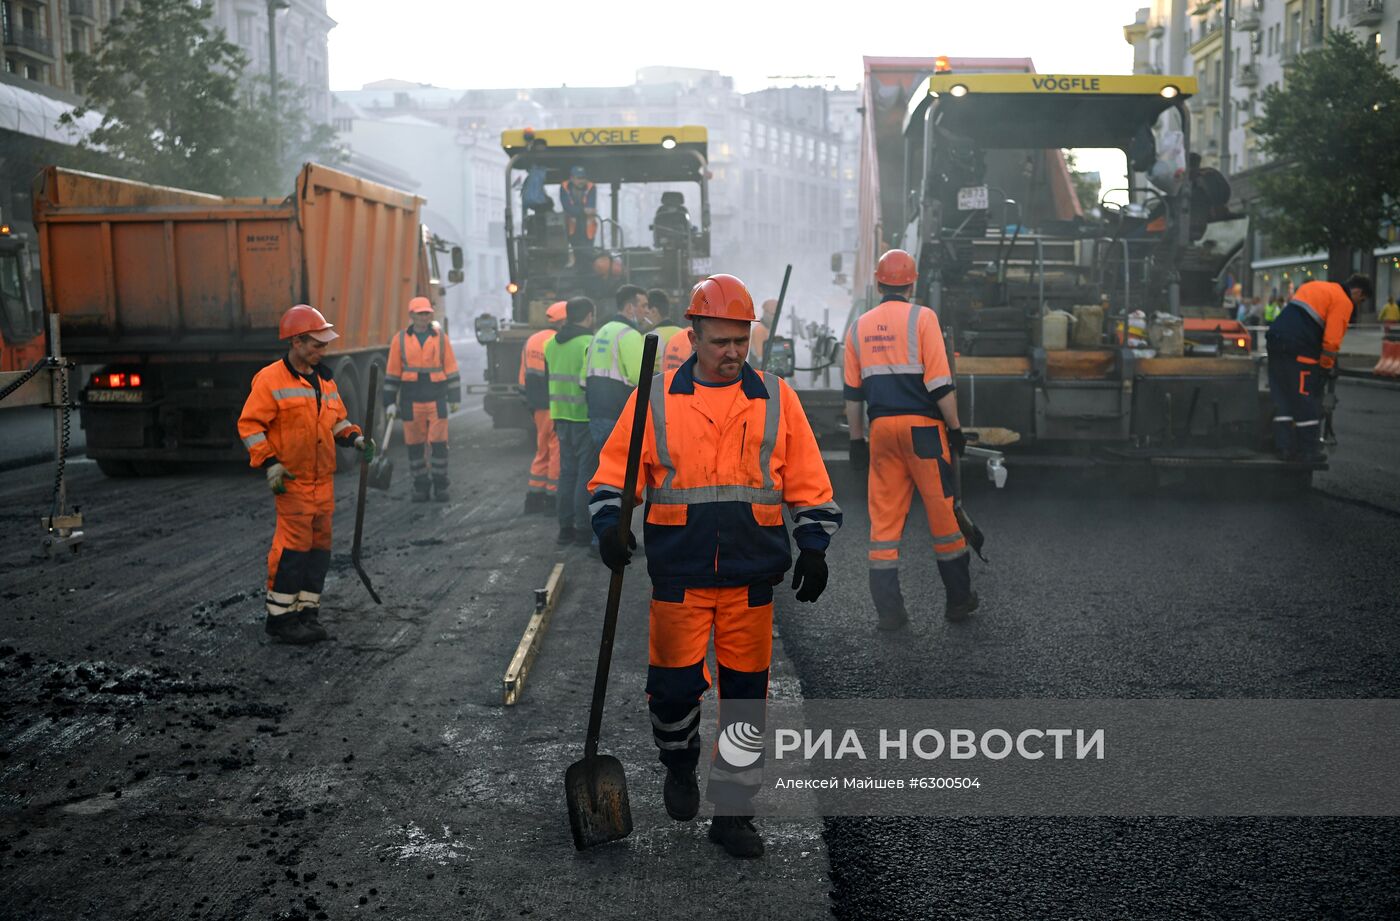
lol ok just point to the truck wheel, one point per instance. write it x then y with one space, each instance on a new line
117 469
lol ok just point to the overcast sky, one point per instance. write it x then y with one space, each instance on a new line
487 43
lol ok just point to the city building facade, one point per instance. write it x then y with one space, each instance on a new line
1266 38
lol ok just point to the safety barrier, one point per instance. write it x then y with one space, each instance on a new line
1389 364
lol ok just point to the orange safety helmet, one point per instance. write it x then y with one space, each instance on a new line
723 297
305 319
896 269
558 312
420 305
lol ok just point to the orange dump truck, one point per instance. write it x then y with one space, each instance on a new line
176 295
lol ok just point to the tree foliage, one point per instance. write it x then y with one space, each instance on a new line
177 110
1333 128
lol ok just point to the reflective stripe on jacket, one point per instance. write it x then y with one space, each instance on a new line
533 376
281 419
614 364
715 488
896 362
565 359
425 371
1313 322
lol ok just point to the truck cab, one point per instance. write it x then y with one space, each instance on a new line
651 228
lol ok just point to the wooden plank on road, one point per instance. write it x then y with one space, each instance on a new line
513 685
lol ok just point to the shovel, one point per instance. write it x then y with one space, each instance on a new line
364 482
381 472
596 787
970 532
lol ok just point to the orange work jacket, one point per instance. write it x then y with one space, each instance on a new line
895 361
281 422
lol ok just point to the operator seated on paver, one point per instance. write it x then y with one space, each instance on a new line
578 199
671 225
541 492
422 386
1305 342
292 421
897 370
726 448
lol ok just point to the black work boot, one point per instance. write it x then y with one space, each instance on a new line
736 834
288 628
310 620
566 536
961 609
439 490
681 793
420 489
957 583
889 600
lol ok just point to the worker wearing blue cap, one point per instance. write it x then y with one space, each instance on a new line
579 199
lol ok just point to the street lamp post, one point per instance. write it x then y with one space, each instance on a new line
273 6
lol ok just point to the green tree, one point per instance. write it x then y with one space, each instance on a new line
1333 129
176 109
1087 186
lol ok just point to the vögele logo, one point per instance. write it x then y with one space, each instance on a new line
741 744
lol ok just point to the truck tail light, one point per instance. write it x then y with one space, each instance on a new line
116 380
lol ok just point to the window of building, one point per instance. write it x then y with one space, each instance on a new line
245 29
9 66
33 72
1376 43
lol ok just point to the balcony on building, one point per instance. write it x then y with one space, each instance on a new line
1249 75
1365 12
83 9
1247 17
30 42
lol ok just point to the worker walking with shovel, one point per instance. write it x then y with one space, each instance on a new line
725 448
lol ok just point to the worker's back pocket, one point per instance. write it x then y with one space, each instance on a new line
928 442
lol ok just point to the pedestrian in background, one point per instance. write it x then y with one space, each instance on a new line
291 423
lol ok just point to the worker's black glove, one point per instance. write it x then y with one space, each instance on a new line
1331 371
809 575
860 455
615 556
957 441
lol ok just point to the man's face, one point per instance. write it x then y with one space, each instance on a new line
720 347
1358 297
308 351
650 315
578 182
421 322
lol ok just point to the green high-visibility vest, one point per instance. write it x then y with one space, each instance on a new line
566 363
1271 311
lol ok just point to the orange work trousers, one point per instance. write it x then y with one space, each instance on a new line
425 425
301 547
544 469
909 452
682 620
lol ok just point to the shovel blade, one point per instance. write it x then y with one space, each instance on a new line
381 473
596 790
971 533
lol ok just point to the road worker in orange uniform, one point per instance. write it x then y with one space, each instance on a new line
897 371
678 348
541 494
421 386
291 423
761 331
1304 342
725 449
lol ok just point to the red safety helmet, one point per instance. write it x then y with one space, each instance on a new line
557 312
896 269
420 305
723 297
305 319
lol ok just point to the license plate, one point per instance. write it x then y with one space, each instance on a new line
115 396
972 198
